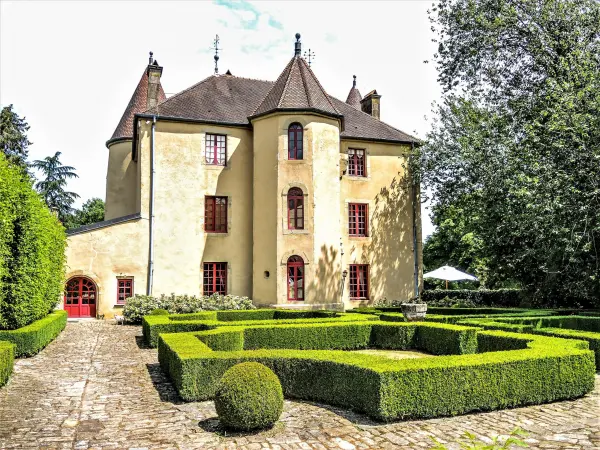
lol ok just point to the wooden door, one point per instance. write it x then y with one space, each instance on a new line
80 297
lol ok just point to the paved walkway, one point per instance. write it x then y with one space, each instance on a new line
94 387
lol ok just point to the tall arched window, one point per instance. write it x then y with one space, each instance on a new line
295 133
295 199
295 274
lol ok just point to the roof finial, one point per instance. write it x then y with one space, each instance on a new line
298 45
216 57
354 82
150 59
310 55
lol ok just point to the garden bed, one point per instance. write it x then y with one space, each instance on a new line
32 338
476 370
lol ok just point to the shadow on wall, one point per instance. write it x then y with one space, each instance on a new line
390 251
325 285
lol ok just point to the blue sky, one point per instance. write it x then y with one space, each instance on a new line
73 76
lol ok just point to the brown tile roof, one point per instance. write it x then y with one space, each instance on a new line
297 88
137 104
233 100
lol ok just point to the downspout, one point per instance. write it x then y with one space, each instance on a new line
151 226
414 226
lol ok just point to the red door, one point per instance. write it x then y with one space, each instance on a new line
80 297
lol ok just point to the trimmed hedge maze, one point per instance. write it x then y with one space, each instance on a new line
32 338
476 370
7 358
152 326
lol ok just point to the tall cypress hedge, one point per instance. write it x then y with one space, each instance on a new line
32 251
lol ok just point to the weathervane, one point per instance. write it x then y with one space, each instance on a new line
216 48
310 55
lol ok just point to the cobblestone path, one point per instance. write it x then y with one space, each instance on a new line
94 387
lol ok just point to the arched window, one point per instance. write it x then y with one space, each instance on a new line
295 274
295 133
295 200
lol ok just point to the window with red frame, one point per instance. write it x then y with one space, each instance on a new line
295 275
357 162
359 281
358 217
295 135
215 214
124 289
215 149
295 199
215 278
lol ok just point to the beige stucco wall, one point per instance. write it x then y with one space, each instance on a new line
121 182
389 247
104 254
181 182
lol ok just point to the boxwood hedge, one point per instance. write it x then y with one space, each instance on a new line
152 326
7 358
32 338
509 370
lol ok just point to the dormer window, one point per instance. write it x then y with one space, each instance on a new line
295 136
215 149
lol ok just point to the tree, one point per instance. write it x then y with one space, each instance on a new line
92 211
516 140
13 137
52 187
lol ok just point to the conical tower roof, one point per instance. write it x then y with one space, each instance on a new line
137 104
297 89
354 96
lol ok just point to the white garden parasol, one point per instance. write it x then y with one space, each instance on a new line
449 274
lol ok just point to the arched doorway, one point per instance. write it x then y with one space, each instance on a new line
80 297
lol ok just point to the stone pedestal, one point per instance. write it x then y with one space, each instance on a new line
414 311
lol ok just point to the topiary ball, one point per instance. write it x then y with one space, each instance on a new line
249 396
159 312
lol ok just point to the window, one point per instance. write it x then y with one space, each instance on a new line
215 278
295 274
357 162
359 281
124 289
295 133
215 214
215 149
295 199
358 216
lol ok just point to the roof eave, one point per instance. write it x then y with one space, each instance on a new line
387 141
317 111
118 139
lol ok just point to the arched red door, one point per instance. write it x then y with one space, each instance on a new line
80 297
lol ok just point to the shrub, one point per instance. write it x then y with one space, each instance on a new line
7 358
479 297
142 305
152 326
540 369
249 397
159 312
32 252
32 338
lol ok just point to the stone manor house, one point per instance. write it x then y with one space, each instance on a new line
272 190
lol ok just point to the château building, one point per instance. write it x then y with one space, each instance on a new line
272 190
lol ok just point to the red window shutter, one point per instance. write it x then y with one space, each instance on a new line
215 214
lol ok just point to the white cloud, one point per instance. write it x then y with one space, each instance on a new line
71 67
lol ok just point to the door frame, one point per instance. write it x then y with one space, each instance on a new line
91 310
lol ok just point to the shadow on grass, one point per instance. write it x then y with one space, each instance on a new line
162 384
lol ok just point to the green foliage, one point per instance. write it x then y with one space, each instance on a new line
477 297
92 211
13 138
152 326
540 369
32 252
159 312
249 397
516 139
52 186
32 338
497 443
7 359
141 305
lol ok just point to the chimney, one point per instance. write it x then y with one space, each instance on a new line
371 104
154 72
